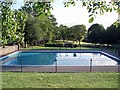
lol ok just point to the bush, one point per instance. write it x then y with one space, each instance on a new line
70 45
61 45
53 45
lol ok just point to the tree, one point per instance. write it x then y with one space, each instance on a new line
94 34
12 24
6 18
94 7
63 32
53 27
56 33
112 34
19 19
37 8
70 34
37 28
79 32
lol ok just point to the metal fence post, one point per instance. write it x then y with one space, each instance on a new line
56 65
90 64
21 65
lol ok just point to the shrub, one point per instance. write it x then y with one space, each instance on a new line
53 45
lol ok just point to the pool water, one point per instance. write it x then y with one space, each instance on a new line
61 59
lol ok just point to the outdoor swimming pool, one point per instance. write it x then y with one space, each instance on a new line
49 58
22 58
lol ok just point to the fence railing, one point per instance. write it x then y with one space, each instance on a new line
27 64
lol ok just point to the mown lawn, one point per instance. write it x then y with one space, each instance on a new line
59 80
57 48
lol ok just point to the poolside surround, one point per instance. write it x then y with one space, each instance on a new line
8 50
56 68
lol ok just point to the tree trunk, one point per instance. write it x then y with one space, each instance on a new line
3 46
51 38
73 41
18 46
25 45
63 40
79 43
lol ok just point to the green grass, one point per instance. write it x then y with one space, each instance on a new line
59 80
57 48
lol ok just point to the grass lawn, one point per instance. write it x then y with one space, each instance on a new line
57 48
59 80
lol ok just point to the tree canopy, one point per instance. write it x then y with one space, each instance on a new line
95 33
34 21
13 23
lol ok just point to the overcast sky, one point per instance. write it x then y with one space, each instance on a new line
77 14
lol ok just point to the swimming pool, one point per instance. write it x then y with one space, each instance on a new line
56 58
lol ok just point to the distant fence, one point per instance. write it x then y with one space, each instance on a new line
8 49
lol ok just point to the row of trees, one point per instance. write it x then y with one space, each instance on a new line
34 23
97 34
74 33
38 29
41 29
40 24
14 22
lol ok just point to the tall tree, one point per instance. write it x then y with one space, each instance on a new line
79 32
63 32
12 23
38 9
112 34
37 28
95 33
53 27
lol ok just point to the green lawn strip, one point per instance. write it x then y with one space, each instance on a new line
59 80
57 48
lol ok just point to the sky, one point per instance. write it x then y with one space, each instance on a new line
76 15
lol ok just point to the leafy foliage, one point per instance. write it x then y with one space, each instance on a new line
12 24
37 28
79 32
74 33
95 33
37 8
63 32
95 7
13 21
34 22
112 34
